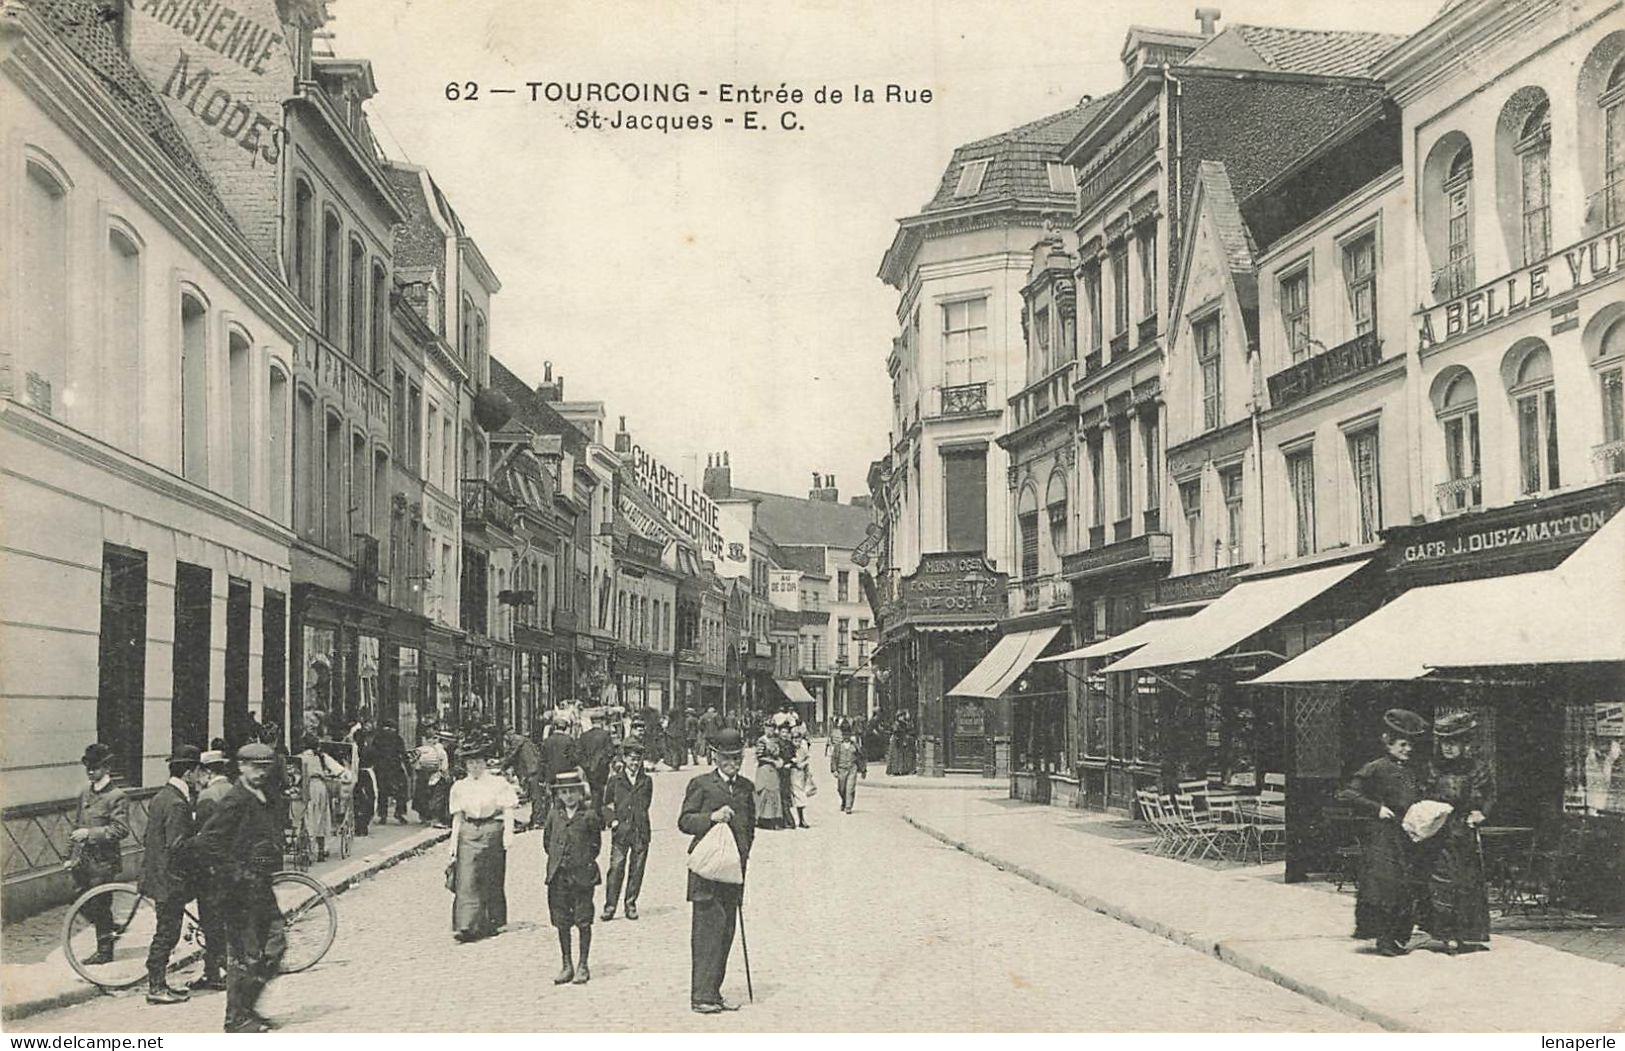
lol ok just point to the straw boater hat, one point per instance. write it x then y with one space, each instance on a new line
1458 724
212 758
572 778
1404 723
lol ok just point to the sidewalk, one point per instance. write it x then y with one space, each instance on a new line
1291 934
34 977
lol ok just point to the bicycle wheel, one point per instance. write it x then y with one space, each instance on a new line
310 918
134 921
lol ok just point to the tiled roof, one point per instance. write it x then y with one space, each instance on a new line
1239 247
530 411
1331 53
796 520
91 35
1018 158
806 559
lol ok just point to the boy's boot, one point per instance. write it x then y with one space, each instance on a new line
583 976
566 973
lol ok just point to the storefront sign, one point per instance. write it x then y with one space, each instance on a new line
784 588
640 520
1520 538
1195 587
1506 297
690 511
951 587
1145 549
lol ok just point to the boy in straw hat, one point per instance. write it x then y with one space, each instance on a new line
572 837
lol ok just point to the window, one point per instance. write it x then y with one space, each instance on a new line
194 390
1119 258
432 435
843 584
276 431
965 478
380 318
1063 178
1190 499
273 657
121 672
1300 477
414 428
1535 162
1152 459
1123 454
1230 486
1612 452
843 637
448 446
1091 297
1146 237
1095 443
358 304
121 348
1363 465
300 260
41 368
1029 545
1295 313
971 174
360 491
1360 277
1458 190
1207 358
1458 415
1041 340
1613 103
964 342
189 663
332 278
1535 401
337 518
307 497
240 421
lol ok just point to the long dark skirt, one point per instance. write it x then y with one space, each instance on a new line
480 907
1388 888
769 797
1458 899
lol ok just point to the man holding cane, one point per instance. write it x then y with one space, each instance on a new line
721 796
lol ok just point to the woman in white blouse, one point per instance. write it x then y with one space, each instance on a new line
482 806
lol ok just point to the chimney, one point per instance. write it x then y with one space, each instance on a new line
824 490
623 440
718 483
550 389
1208 16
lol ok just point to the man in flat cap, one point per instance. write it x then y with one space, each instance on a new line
101 821
714 798
242 842
215 777
166 875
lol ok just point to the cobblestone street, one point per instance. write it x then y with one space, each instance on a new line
861 923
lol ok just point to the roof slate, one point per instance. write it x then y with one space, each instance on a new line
1018 159
797 520
1330 53
532 412
1234 234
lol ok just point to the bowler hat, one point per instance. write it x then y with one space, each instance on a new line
572 778
1455 724
96 754
186 753
727 742
1405 722
255 753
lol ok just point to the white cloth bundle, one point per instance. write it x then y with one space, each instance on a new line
716 857
1425 818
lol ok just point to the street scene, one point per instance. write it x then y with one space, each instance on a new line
1057 527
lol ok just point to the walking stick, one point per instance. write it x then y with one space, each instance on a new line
745 946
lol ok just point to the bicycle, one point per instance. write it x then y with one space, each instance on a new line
310 922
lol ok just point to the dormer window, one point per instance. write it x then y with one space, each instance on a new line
1063 178
970 178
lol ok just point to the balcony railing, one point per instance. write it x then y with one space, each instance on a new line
964 399
1092 362
1459 494
1097 536
1609 458
1147 329
1339 363
1051 391
1038 593
1110 176
483 505
1453 279
1122 529
1119 344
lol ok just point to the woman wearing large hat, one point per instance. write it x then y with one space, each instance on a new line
1383 790
1458 899
482 806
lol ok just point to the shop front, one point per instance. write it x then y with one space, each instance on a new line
346 656
1027 702
533 677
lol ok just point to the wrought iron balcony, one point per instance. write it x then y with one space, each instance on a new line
1453 279
964 399
1339 363
1102 180
1609 458
1459 494
483 505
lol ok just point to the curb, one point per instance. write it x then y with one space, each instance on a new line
1226 951
83 992
956 783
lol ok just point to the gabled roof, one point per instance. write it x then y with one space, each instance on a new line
796 520
534 414
1215 200
1239 246
1017 160
1318 52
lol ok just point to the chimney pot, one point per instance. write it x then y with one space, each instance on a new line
725 458
623 423
547 372
1208 16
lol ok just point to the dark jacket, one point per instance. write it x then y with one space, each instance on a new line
105 815
595 748
388 755
523 759
242 841
706 794
558 754
165 865
628 804
572 845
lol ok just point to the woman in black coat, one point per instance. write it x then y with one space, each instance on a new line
1458 898
1383 790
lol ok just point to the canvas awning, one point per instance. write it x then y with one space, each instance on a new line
796 692
1238 614
1004 664
1572 614
1122 642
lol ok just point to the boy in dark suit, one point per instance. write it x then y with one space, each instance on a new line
165 875
719 796
629 794
572 838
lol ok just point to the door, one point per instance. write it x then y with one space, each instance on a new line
967 733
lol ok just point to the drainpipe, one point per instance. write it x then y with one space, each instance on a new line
1258 456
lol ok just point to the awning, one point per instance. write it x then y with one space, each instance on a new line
796 692
1004 664
1572 614
1122 642
1238 614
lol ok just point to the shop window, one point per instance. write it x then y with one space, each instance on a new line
240 421
332 278
1364 468
121 672
1230 486
276 434
121 347
1295 313
1594 758
368 678
965 505
1535 404
273 658
1190 499
1206 332
1300 474
1360 279
239 615
321 679
194 376
964 342
190 660
1147 725
1534 150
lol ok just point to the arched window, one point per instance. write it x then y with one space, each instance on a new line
301 263
40 364
307 493
335 534
1610 363
380 317
1534 400
1613 107
1027 525
194 377
240 418
121 346
332 278
1055 506
1456 403
359 521
1458 190
358 304
1535 160
276 431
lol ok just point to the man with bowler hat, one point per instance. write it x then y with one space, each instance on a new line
721 796
242 842
100 822
166 875
629 794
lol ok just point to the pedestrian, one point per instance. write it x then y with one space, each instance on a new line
595 748
900 756
787 771
211 915
242 842
482 806
165 864
572 838
101 820
770 772
671 739
321 773
1383 789
694 736
630 793
710 723
432 767
365 794
390 764
558 755
524 761
721 796
846 762
1458 910
801 782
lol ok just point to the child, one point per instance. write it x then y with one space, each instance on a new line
572 838
629 794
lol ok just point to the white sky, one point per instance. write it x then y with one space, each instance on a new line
718 288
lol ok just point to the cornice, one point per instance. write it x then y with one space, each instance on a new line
311 94
1443 46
